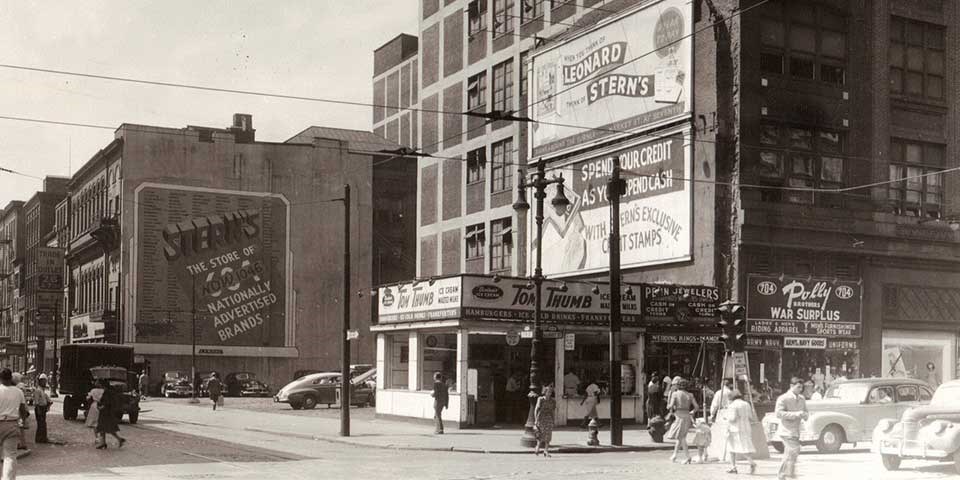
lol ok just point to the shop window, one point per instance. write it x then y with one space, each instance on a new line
477 17
476 165
476 241
501 171
926 357
802 158
477 91
917 53
501 244
503 86
916 189
439 354
811 42
399 364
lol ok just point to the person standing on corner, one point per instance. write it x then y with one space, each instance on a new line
11 402
41 405
440 400
215 389
791 409
544 420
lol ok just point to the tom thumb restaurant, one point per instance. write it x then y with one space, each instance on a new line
476 330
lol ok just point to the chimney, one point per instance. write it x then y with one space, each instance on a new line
243 131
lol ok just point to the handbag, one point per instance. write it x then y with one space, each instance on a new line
220 401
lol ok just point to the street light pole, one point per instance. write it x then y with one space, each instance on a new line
560 202
193 341
344 341
615 188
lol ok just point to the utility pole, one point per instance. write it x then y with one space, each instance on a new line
614 191
345 383
193 343
56 365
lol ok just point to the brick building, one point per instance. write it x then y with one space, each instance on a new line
12 352
819 137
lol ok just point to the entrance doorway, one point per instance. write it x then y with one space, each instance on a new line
503 376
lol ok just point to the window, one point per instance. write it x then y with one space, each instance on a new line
477 13
399 352
881 395
501 244
502 17
476 165
524 58
800 157
530 9
917 58
906 393
476 241
916 190
501 173
439 355
477 91
503 86
805 42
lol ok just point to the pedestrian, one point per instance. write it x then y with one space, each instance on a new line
543 420
93 411
653 396
683 406
591 397
571 382
721 399
791 409
933 378
143 384
12 406
215 390
440 400
516 394
41 405
108 420
53 384
17 377
702 439
740 415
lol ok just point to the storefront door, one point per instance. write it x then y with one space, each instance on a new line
503 373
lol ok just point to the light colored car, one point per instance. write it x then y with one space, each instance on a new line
323 388
850 410
930 432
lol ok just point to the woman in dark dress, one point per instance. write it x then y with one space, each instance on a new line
109 420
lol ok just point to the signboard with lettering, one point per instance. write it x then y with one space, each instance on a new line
655 211
630 74
816 343
221 254
416 301
679 304
796 306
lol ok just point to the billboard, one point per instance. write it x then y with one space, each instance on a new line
795 306
655 212
625 76
213 259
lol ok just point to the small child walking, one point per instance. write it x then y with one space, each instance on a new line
702 438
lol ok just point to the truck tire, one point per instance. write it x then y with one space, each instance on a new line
831 439
890 462
70 407
133 417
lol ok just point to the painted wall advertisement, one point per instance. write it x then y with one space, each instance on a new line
655 212
218 255
630 74
795 306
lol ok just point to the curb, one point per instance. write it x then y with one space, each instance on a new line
561 449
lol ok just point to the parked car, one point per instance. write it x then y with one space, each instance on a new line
323 388
929 432
175 384
850 410
244 384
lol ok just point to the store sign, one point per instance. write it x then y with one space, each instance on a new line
570 342
627 75
763 342
795 306
655 211
805 342
415 301
513 338
682 338
834 344
13 349
679 304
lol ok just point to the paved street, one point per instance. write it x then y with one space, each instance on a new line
175 440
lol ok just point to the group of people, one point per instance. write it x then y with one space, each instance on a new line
104 414
13 418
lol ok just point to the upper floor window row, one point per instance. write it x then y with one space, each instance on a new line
804 41
917 58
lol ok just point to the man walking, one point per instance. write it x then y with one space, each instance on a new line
791 409
12 403
440 400
143 384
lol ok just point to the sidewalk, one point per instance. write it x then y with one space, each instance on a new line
389 434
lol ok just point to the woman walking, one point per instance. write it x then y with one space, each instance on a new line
739 441
215 389
109 420
683 406
543 420
93 413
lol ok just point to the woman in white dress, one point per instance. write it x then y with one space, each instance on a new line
739 441
94 399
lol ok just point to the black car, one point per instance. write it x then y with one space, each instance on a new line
244 384
175 384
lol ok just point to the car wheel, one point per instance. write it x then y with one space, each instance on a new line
831 438
309 402
296 405
778 446
890 462
133 417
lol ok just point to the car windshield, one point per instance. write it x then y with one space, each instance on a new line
847 392
244 376
173 375
947 396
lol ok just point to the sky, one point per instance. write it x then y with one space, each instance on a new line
311 48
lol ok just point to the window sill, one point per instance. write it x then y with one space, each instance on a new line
918 101
471 259
476 182
505 190
497 35
528 21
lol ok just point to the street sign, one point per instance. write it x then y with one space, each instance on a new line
570 342
353 334
526 334
740 364
513 339
552 332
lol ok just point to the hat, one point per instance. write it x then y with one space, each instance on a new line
43 376
677 380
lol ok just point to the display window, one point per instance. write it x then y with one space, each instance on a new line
438 353
398 350
927 356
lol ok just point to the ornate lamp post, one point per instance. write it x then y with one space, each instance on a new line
539 183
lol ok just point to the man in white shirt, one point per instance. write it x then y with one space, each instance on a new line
11 399
570 383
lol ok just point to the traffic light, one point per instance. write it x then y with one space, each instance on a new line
733 326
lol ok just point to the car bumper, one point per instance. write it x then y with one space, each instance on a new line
908 449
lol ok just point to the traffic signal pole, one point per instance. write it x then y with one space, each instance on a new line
615 188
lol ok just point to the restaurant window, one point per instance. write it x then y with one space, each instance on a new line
804 42
476 165
439 354
530 9
916 188
399 364
501 172
501 244
801 158
477 13
503 86
917 52
477 91
502 17
476 241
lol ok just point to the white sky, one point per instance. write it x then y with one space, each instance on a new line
312 48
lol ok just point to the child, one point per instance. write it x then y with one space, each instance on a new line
702 438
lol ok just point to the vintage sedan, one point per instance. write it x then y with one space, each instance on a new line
324 388
850 410
929 432
244 384
175 384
